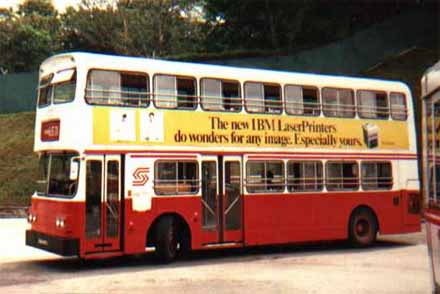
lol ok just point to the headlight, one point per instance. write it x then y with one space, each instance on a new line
59 222
31 218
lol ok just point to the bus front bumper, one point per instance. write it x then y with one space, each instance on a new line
58 245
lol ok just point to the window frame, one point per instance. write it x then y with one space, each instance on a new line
319 182
342 183
376 188
318 109
75 156
137 73
240 96
197 180
266 190
74 75
405 105
196 97
359 106
49 85
324 105
270 84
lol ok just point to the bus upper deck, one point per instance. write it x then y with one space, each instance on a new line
146 102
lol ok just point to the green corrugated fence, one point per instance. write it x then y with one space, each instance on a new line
18 92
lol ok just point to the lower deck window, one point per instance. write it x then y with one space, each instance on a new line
176 177
55 174
304 176
264 176
342 176
376 176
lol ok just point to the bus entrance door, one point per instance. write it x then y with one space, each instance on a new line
232 199
221 199
103 204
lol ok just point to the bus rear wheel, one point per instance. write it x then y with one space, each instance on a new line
167 244
363 228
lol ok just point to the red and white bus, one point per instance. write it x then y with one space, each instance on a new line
141 154
431 168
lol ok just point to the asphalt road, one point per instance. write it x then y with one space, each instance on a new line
396 264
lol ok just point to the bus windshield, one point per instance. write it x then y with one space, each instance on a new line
55 175
58 88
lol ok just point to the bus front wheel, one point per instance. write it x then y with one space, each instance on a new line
363 228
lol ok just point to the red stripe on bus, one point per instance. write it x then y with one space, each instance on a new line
163 156
267 154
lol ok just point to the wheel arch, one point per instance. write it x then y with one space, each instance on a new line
183 228
363 207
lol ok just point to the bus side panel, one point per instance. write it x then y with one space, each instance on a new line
411 210
137 223
310 217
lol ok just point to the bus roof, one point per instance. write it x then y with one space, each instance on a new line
117 62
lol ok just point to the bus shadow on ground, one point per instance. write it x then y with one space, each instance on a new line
216 256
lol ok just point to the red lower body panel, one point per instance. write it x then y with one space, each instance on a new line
267 219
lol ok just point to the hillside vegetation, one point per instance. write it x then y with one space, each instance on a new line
18 164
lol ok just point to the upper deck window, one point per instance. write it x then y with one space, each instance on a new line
64 85
107 87
45 91
174 92
262 98
338 102
57 88
301 100
220 95
372 104
398 106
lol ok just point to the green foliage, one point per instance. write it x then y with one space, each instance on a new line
36 7
27 36
260 24
132 27
173 28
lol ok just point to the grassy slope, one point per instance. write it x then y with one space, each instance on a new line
18 164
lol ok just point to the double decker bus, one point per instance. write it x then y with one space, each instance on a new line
430 85
141 154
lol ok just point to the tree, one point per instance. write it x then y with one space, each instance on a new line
27 36
132 27
258 24
92 27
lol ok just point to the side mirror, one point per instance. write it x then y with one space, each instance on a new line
74 168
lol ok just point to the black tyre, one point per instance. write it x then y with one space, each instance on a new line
363 228
167 244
